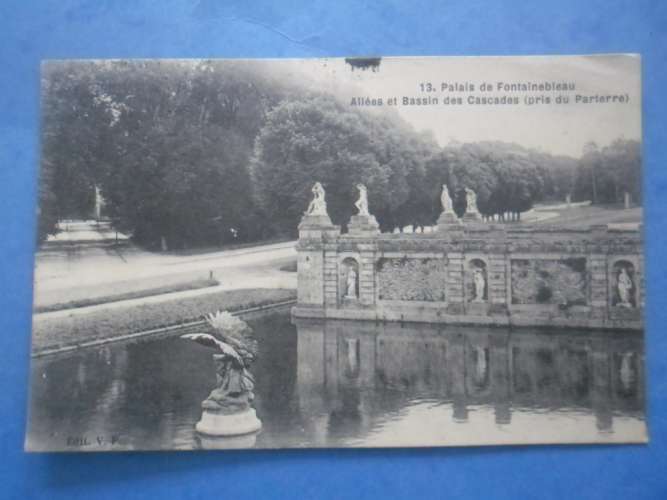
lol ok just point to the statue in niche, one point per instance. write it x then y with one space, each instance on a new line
362 202
351 283
624 286
318 205
471 201
446 200
479 284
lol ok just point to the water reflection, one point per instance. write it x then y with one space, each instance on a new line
342 383
392 378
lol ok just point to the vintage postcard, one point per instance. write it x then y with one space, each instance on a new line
361 252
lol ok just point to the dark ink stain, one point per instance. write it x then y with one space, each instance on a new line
364 63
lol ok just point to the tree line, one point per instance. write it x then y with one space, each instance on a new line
194 154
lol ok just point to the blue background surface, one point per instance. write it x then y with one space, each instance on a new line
34 30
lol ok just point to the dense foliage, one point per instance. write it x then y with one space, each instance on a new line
193 154
605 174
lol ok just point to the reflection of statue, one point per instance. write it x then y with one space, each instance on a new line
352 346
471 201
465 366
481 366
624 287
351 283
318 206
479 282
626 372
446 200
362 202
234 391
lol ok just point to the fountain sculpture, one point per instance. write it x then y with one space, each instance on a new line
227 411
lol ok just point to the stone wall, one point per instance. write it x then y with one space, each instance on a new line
549 281
473 273
411 278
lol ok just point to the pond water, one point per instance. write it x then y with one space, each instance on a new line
344 383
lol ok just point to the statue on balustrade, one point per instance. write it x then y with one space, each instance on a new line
471 201
446 200
318 206
362 202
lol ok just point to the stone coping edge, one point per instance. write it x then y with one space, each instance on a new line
320 313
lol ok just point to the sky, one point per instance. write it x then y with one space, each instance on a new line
549 127
553 128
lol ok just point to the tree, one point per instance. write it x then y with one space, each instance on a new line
320 139
622 161
71 125
605 174
204 153
168 142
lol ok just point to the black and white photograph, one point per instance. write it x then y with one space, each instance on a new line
338 253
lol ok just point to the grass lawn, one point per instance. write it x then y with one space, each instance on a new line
77 328
105 299
583 216
228 246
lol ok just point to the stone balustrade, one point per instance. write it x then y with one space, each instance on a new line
470 272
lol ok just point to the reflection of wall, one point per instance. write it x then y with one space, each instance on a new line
533 276
467 366
402 362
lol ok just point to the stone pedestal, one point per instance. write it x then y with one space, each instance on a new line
317 226
472 217
314 262
227 411
363 225
448 219
477 308
449 225
497 280
242 442
597 271
367 253
315 220
218 423
455 291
